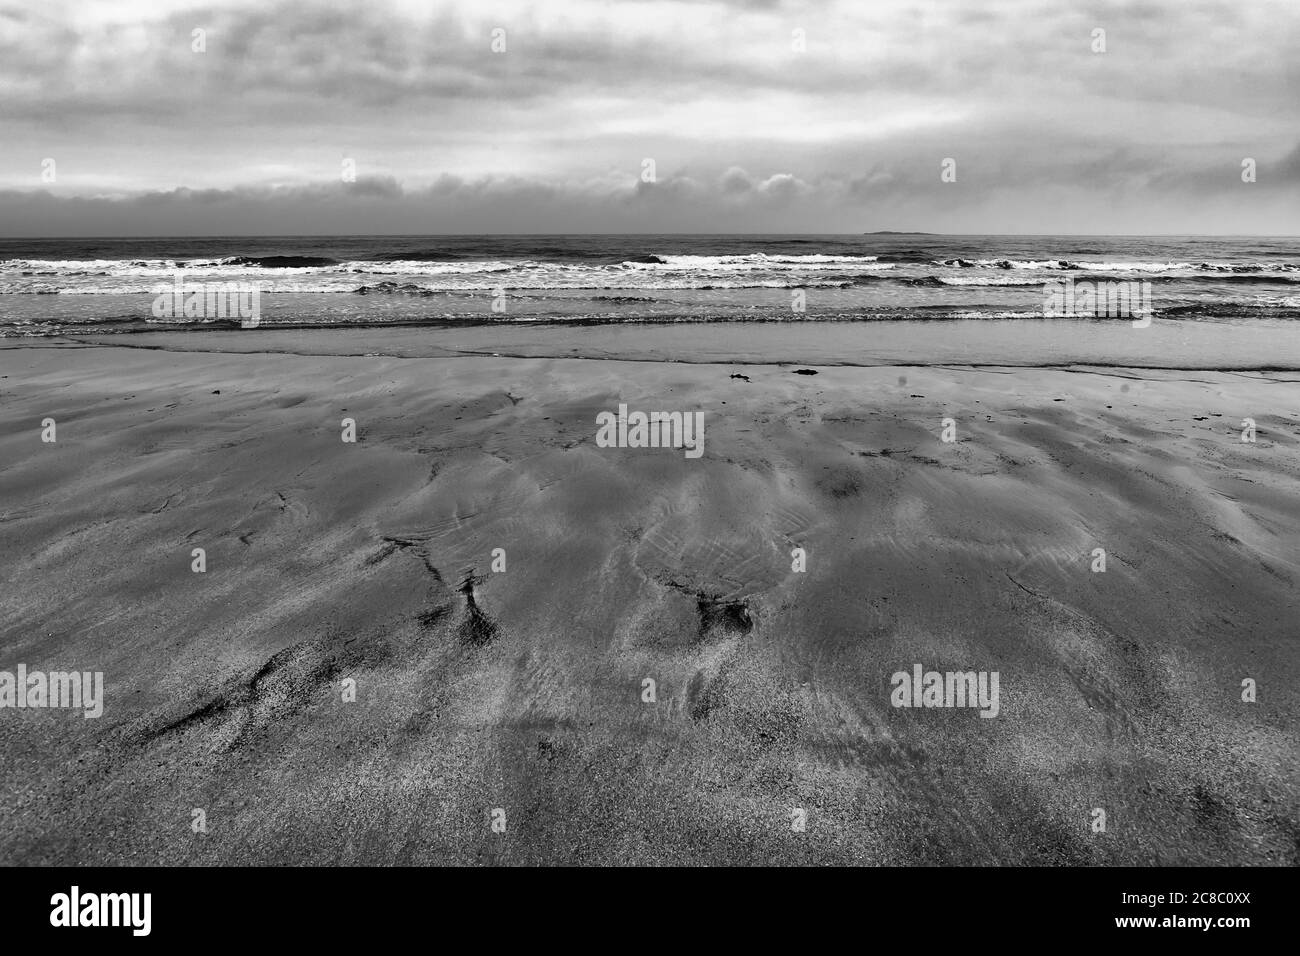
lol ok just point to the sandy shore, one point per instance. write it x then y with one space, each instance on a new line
523 689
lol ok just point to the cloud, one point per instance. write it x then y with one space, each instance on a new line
1122 197
584 91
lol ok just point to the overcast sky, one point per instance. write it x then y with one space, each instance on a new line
746 131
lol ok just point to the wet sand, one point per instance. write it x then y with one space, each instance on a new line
523 690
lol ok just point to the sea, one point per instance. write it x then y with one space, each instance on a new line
70 287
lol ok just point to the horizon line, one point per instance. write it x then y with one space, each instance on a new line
480 235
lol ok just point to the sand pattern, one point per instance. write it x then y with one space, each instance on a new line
522 689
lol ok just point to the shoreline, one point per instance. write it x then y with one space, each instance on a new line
1004 343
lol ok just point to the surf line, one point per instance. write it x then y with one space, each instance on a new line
651 430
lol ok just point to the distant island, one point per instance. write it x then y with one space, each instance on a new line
891 232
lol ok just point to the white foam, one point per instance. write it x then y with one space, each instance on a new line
757 260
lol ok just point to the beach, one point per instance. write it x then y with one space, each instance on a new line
497 590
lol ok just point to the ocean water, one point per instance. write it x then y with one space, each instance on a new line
96 286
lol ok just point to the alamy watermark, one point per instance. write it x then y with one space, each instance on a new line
1119 298
923 688
209 300
75 908
37 689
651 430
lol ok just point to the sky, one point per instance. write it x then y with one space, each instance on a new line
284 117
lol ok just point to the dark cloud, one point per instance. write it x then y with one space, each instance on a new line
1125 192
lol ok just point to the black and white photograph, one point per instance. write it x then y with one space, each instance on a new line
650 434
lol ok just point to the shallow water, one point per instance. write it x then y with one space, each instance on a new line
1240 345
